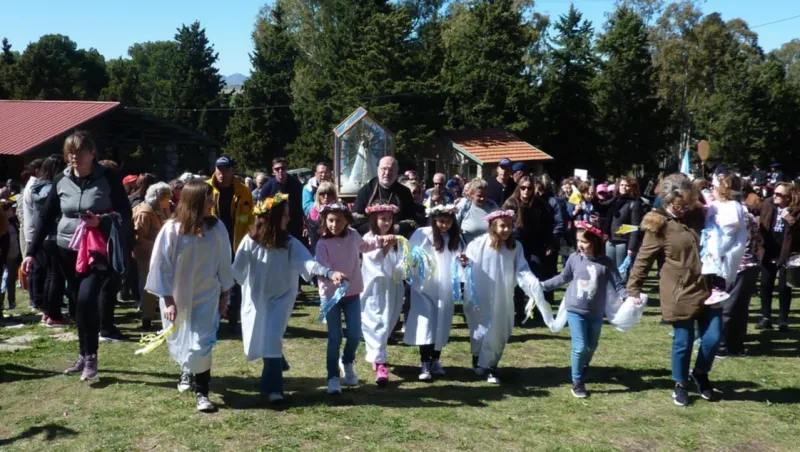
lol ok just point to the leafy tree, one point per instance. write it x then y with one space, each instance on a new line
255 134
8 60
789 56
124 84
483 74
54 69
628 112
568 113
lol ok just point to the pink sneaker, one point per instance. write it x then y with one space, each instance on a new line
381 374
53 323
717 297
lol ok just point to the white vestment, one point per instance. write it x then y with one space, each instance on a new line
269 289
430 314
194 270
496 275
381 300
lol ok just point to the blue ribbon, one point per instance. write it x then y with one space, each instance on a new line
626 264
417 265
470 279
327 303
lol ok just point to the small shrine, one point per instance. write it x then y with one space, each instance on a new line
359 142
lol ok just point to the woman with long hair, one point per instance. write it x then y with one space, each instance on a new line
625 208
190 270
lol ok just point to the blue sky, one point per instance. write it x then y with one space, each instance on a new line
112 26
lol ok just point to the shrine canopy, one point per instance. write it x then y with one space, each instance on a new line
359 142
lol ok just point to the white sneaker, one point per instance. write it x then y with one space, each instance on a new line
350 376
493 377
275 397
185 382
437 368
334 386
203 404
717 297
425 372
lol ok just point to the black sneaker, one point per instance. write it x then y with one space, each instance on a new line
764 324
579 390
147 325
722 353
783 327
703 386
112 336
680 396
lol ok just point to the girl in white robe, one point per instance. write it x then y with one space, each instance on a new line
382 297
432 304
499 265
267 265
190 271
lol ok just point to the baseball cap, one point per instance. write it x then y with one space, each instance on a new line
519 166
602 188
505 162
224 162
452 183
612 187
129 179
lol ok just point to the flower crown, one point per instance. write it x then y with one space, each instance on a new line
382 207
334 207
499 214
441 209
591 229
263 207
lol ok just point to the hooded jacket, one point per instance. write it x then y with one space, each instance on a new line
100 192
676 247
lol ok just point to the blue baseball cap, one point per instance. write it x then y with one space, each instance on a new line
224 162
505 162
519 166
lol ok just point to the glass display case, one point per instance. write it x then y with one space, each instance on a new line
359 142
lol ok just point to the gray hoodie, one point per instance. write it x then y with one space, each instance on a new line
592 282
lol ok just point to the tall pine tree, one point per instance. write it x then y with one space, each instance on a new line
568 130
255 134
628 112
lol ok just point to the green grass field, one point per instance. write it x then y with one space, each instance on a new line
135 404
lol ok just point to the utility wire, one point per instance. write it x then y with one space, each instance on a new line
776 21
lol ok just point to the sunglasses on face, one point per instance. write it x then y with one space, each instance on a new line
780 195
684 208
278 169
526 188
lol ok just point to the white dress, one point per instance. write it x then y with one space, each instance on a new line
496 274
726 239
381 300
194 270
430 314
269 289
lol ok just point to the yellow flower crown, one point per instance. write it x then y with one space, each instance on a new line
265 206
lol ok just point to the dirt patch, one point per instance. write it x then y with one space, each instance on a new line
13 347
24 339
751 446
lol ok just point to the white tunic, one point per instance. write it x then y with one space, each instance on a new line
381 300
496 274
194 270
430 314
269 289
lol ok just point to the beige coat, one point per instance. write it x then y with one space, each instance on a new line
147 223
682 287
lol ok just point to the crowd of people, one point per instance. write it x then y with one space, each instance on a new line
196 250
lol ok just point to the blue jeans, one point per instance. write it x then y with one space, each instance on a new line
710 329
617 252
351 307
585 332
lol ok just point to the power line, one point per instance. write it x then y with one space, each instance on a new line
776 21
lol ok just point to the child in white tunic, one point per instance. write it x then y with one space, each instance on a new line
430 314
499 266
190 271
382 297
267 265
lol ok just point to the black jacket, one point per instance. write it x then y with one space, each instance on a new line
397 194
294 189
624 210
536 231
499 193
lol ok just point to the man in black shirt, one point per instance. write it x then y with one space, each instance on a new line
387 189
288 185
502 186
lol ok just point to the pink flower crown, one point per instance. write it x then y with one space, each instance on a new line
334 207
375 208
591 229
499 214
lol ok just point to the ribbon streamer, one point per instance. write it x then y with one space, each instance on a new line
626 264
153 341
327 303
469 278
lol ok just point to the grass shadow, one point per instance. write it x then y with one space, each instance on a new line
14 372
51 432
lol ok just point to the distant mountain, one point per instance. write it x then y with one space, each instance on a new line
234 80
